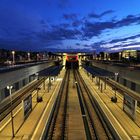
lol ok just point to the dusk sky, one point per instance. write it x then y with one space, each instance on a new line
77 25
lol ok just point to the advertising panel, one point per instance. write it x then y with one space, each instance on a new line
129 106
27 106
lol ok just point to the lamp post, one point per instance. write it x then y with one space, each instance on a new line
99 81
114 99
49 84
28 56
13 56
10 92
37 76
44 56
116 76
105 82
37 55
38 98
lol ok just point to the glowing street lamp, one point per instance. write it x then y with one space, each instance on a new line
43 56
37 76
28 56
116 75
114 99
37 55
10 92
13 55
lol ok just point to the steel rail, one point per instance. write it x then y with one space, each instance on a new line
96 108
56 129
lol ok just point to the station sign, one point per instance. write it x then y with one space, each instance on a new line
27 106
129 106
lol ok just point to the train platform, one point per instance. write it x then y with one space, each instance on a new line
121 122
33 126
75 126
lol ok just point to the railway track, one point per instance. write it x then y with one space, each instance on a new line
56 129
95 126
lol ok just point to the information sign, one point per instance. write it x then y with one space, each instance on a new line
129 106
27 106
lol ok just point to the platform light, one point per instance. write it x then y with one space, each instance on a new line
37 75
116 76
13 55
28 56
37 55
12 122
114 99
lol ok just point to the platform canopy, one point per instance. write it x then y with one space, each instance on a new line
99 72
52 71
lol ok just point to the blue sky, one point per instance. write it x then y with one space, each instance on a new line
63 25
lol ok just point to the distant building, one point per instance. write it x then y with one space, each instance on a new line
103 56
126 55
116 56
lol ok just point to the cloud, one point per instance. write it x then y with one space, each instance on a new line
87 46
23 30
118 44
76 23
125 39
95 29
73 19
70 16
107 12
59 33
130 19
125 47
62 25
91 29
94 15
77 44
